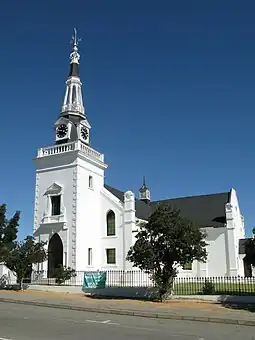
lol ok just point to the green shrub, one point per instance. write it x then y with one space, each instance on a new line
208 288
63 274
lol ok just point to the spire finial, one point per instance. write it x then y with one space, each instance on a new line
74 56
144 180
144 186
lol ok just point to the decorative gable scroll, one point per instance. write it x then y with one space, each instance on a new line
54 189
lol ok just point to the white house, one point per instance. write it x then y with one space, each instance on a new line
89 225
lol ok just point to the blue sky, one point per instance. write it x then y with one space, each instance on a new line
168 85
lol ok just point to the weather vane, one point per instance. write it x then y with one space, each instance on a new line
75 40
74 56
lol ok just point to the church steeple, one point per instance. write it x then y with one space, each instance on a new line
73 103
72 124
144 192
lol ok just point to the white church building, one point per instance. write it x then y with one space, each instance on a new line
89 225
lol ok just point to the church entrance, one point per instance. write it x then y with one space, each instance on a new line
55 254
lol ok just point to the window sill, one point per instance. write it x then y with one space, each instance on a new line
53 219
92 189
110 237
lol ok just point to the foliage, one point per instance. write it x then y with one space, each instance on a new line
250 250
63 274
165 242
208 288
3 281
23 255
8 231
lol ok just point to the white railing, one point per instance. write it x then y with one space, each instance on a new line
74 146
73 107
56 149
91 152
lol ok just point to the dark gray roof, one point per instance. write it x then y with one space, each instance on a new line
203 210
143 210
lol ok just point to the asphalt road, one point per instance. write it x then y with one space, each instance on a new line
20 322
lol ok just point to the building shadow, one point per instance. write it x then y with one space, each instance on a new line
245 302
249 307
120 293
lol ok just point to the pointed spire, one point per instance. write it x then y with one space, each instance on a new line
144 183
73 103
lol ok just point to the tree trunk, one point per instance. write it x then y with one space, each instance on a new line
168 275
20 281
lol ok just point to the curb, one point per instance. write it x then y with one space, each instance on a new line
132 313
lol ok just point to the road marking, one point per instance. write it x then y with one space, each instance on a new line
105 322
95 321
5 339
113 323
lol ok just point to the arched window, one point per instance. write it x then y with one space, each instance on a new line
90 182
110 219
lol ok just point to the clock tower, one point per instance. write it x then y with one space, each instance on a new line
144 192
69 181
72 124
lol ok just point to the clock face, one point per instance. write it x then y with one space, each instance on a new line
84 133
62 130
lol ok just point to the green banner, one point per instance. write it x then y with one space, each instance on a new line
94 280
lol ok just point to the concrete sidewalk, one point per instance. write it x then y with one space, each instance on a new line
179 310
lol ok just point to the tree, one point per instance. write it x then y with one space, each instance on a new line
165 242
250 250
8 231
23 255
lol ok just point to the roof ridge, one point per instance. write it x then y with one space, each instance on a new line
193 196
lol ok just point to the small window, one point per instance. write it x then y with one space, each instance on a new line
55 205
90 182
89 256
110 220
111 256
187 266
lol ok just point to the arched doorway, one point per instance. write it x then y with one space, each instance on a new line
55 254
